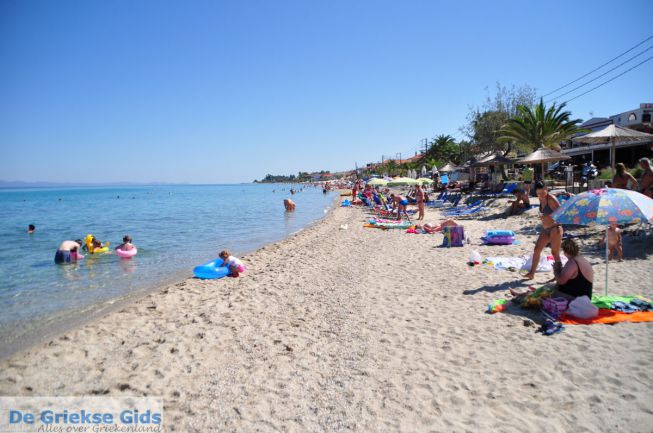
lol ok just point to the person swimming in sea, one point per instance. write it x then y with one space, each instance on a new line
126 243
31 228
289 205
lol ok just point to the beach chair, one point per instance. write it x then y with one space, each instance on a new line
468 213
509 189
471 209
472 205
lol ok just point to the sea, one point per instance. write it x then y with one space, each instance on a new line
174 228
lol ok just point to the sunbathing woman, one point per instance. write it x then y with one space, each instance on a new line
551 232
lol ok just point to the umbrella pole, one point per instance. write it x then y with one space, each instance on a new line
607 260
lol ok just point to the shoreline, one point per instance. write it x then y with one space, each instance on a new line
357 329
65 321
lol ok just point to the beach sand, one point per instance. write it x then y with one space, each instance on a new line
361 330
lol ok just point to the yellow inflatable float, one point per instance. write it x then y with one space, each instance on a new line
88 240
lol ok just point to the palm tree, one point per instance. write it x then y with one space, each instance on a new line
442 147
533 127
391 167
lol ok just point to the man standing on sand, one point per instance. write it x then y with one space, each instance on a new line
400 203
646 181
419 198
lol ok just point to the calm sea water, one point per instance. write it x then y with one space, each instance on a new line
174 228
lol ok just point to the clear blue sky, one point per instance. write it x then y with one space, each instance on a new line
211 92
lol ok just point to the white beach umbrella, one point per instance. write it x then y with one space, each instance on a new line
614 134
450 167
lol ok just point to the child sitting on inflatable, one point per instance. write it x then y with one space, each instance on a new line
235 266
126 244
126 249
94 245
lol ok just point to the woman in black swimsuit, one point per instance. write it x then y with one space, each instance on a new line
576 278
551 232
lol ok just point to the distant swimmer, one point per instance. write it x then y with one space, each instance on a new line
31 228
68 252
289 204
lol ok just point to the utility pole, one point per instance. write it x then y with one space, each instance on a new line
426 146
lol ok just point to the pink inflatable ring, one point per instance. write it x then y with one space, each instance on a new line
126 254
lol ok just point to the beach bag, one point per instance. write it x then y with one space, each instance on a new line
582 308
554 307
453 236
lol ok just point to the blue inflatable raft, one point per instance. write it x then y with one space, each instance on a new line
211 270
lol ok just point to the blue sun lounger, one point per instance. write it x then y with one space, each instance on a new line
473 207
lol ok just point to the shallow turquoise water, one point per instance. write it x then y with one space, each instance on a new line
174 228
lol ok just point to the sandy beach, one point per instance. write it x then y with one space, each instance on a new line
363 330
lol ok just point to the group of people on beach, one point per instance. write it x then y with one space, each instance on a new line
624 180
575 277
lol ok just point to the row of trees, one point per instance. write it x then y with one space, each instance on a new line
302 176
510 121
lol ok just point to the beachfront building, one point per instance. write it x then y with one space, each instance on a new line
638 119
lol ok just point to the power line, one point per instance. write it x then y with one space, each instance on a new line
611 79
596 69
599 76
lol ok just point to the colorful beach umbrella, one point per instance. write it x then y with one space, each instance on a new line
603 206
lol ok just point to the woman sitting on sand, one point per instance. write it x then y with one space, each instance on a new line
576 278
551 232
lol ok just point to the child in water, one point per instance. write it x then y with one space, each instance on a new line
614 241
235 266
126 243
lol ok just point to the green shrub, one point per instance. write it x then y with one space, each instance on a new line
606 174
637 172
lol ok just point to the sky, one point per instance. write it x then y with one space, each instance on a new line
225 92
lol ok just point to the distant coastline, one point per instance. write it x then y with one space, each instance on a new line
20 184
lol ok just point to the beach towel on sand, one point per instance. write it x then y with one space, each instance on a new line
609 316
523 263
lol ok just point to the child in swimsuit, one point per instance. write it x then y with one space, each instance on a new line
614 241
126 243
235 266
